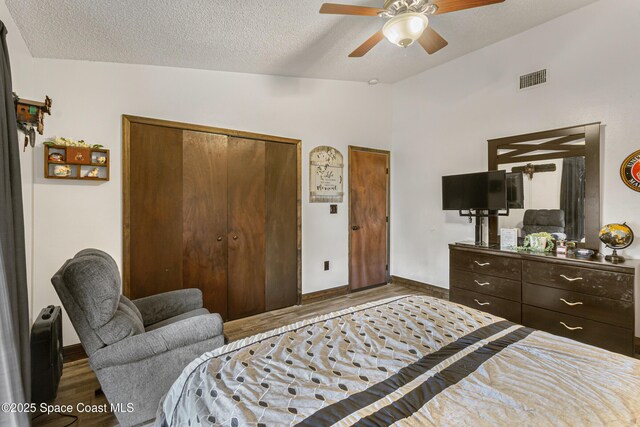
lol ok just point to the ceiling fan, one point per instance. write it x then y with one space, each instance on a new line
408 21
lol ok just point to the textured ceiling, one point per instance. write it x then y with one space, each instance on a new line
276 37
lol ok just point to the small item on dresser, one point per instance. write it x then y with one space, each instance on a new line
539 242
509 239
616 236
561 247
571 246
584 253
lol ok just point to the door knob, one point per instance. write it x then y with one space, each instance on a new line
219 239
355 227
235 237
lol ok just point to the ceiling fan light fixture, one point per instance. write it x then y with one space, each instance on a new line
404 29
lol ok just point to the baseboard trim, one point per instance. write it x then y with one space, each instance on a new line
325 294
437 290
71 353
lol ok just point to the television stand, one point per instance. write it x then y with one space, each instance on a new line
479 214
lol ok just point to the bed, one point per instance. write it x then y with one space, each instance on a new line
411 360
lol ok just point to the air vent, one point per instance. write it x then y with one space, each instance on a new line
533 79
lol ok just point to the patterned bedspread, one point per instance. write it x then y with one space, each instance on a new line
412 360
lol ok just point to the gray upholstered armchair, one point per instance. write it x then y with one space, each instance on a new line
136 348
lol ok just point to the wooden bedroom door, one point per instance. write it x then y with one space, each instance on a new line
246 227
206 209
204 217
155 215
281 225
368 217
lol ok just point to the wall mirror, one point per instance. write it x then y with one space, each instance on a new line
560 173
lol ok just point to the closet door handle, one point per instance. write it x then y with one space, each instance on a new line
355 227
235 237
481 303
570 303
571 328
482 264
482 284
219 238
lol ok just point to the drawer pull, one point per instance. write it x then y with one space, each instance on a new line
485 303
569 327
570 303
571 279
481 264
482 284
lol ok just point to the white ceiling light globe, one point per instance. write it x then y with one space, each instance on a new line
402 30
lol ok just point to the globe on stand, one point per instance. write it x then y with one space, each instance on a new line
616 236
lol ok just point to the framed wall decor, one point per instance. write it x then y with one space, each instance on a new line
325 175
630 171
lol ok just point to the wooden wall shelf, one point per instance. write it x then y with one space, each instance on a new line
80 161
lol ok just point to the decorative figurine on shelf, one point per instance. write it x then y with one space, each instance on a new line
101 160
30 114
56 157
616 236
93 173
62 170
79 157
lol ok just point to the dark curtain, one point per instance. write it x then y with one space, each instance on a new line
572 193
15 365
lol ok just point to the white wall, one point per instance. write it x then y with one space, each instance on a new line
89 99
22 77
443 117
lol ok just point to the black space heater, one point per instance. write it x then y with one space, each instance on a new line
46 355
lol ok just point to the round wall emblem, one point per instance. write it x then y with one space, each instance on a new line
630 171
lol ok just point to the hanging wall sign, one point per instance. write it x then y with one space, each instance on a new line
325 175
630 171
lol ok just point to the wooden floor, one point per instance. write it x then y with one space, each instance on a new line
79 384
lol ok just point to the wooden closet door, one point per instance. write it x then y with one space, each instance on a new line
246 227
281 225
204 217
155 224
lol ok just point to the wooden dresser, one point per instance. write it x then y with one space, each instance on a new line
587 300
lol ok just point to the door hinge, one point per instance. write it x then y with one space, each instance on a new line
386 267
387 171
387 219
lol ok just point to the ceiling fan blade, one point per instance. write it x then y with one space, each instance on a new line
367 46
431 41
347 9
446 6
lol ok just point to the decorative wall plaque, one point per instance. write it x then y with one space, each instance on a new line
630 171
325 175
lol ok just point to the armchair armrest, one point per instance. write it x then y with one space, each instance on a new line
156 308
149 344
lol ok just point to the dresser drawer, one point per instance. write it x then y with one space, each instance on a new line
489 285
601 283
614 312
509 310
591 332
492 265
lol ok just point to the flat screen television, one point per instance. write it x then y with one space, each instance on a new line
515 190
477 191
